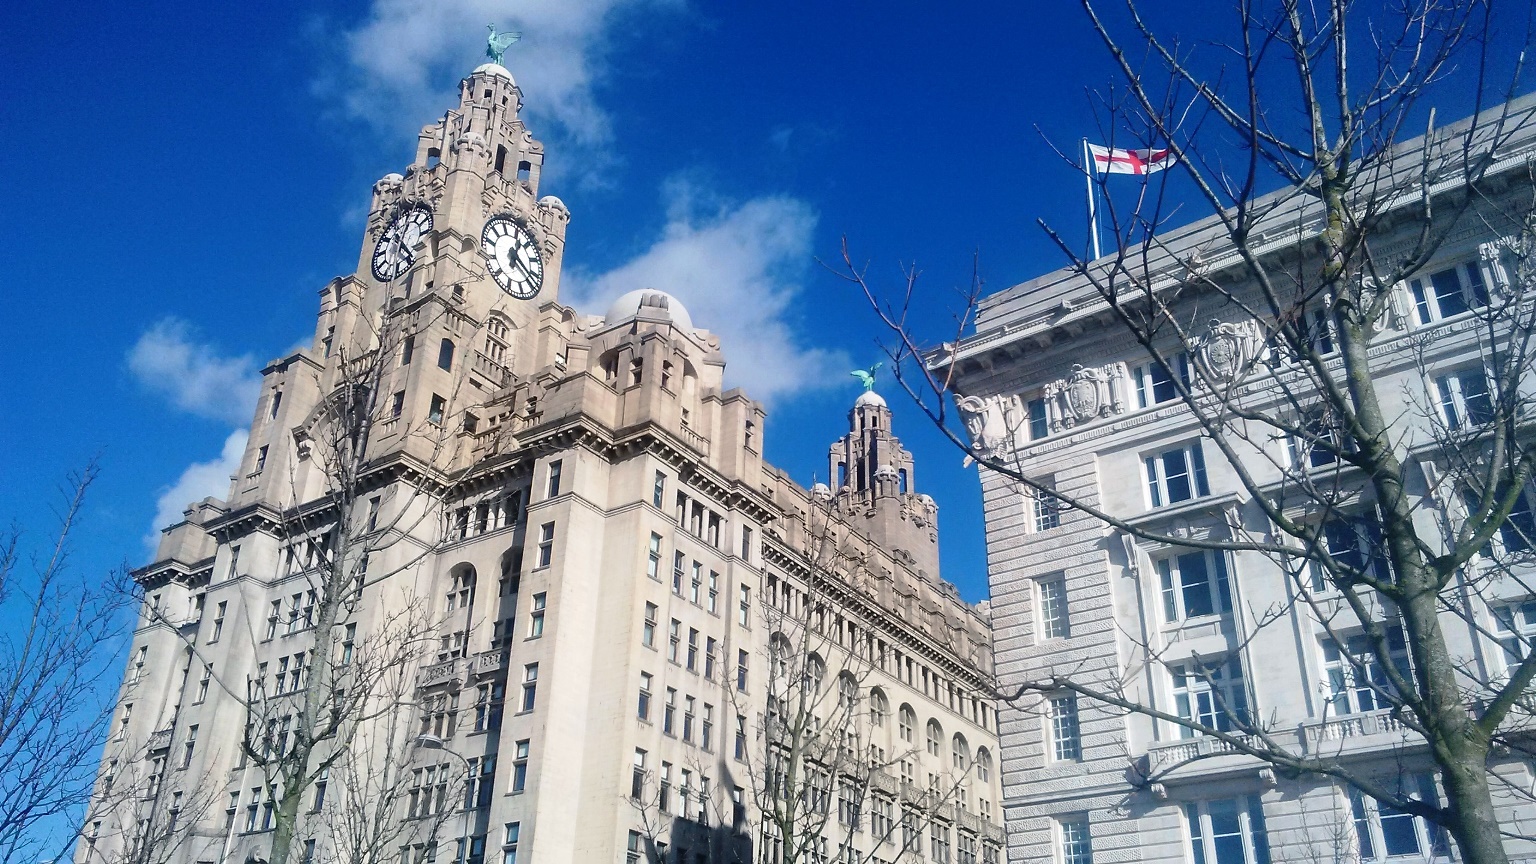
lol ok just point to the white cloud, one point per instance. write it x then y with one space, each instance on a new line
738 269
193 376
198 481
403 62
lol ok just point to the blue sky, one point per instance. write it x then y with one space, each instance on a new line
184 179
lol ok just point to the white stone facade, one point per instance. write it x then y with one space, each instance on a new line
1054 385
593 493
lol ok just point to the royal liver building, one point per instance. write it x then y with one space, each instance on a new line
498 581
1219 653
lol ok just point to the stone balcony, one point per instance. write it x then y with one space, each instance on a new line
441 672
1186 757
698 442
1353 733
1194 759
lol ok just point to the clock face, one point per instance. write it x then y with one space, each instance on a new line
393 256
512 256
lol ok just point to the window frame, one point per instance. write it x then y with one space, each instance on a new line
1426 294
1155 473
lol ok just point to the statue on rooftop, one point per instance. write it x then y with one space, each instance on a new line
498 43
867 377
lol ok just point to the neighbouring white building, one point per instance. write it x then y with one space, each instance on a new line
1053 383
580 512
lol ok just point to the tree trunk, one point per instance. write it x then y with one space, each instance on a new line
287 821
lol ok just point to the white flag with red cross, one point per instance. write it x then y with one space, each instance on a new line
1112 160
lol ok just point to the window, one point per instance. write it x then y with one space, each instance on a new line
659 489
202 684
445 354
273 614
1210 693
407 350
261 459
637 777
189 746
1076 846
435 411
674 639
648 626
678 560
1357 681
983 765
1356 544
741 737
397 404
938 842
1066 741
693 650
744 607
348 644
1039 423
1176 475
1194 584
478 782
218 621
1052 598
1384 832
546 544
488 698
1228 832
741 670
1154 383
553 486
905 720
1045 508
696 583
530 685
707 728
746 543
669 711
520 766
689 712
643 709
1464 399
1518 531
1322 442
1448 293
536 617
653 558
960 754
140 657
710 648
1515 627
234 563
935 735
510 833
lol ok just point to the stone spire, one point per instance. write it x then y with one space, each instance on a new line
875 487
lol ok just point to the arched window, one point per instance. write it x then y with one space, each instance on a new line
461 593
960 753
847 693
935 736
879 708
445 354
815 671
779 651
635 367
905 721
983 765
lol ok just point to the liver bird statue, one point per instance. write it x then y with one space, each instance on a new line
498 43
867 377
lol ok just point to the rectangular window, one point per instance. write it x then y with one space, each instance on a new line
1176 475
234 563
1357 681
1052 597
741 670
1515 628
707 729
653 558
744 607
407 351
1194 585
1384 832
546 544
696 583
1448 293
520 766
740 749
1321 443
678 560
674 640
530 685
1464 399
746 544
1039 424
436 409
714 593
1154 383
1228 832
637 777
1211 693
488 698
397 404
659 489
553 487
1075 844
536 617
709 658
643 708
189 746
510 834
689 714
1356 544
218 621
693 650
648 626
1066 741
1045 507
669 711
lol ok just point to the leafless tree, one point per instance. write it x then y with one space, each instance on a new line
1321 219
58 656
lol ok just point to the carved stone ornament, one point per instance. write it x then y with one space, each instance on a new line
1492 253
986 424
1086 394
1228 350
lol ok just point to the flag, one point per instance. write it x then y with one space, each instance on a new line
1112 160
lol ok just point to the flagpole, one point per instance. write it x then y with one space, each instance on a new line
1090 170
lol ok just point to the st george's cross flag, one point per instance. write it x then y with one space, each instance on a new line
1112 160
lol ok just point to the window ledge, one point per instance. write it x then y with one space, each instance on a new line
1208 505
